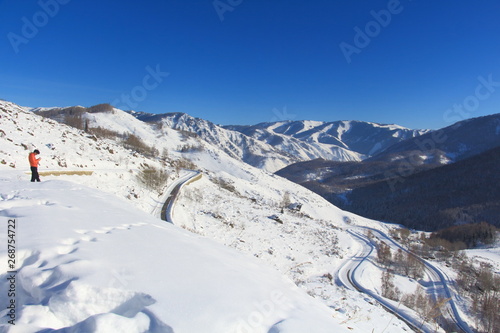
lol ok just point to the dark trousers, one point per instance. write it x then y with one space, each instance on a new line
34 174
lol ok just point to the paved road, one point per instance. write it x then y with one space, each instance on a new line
350 275
172 191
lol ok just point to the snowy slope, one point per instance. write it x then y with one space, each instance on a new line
66 149
453 143
238 207
89 262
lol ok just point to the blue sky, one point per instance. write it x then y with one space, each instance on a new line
416 63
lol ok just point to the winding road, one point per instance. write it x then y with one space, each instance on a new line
350 275
168 199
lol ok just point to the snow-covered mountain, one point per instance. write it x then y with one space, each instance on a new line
235 144
272 146
337 141
453 143
385 186
95 257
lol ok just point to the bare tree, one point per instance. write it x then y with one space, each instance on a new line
414 265
384 255
389 290
490 310
153 178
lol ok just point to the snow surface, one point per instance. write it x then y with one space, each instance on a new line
488 254
87 260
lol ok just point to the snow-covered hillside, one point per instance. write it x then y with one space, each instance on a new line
155 277
79 242
89 262
71 151
456 142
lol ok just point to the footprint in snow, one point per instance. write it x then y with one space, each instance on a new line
105 230
87 238
124 227
66 249
70 241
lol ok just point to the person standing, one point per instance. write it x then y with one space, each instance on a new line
34 165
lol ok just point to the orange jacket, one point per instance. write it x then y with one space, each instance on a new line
33 160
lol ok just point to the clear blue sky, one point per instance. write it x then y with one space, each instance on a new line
251 61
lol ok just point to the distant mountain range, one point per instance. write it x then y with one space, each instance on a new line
453 143
368 168
272 146
357 138
435 180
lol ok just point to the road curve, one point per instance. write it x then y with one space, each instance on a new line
440 280
408 319
172 191
346 276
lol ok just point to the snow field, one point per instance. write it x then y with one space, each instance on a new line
89 261
308 247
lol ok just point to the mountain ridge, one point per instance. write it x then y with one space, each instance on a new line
274 145
363 138
369 186
480 133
